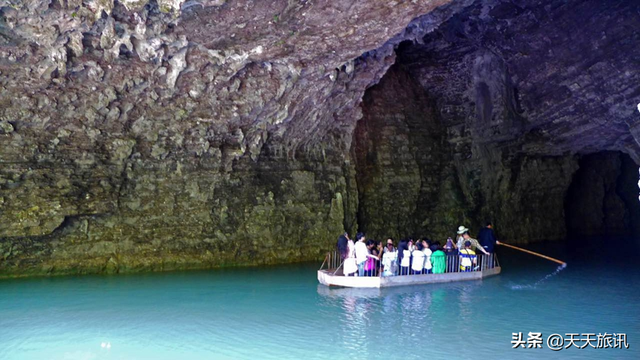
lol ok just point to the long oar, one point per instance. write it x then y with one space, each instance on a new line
564 264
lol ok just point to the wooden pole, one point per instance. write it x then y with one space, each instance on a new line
325 260
564 264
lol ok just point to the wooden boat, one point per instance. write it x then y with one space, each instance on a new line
332 275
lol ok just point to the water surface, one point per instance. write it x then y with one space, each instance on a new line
282 313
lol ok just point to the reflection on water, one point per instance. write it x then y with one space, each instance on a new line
281 312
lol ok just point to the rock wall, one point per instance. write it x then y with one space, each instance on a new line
169 134
401 158
522 90
192 218
415 180
144 135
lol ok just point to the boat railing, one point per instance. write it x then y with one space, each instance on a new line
333 263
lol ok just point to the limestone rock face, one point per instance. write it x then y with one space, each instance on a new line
414 179
170 134
519 91
402 159
549 74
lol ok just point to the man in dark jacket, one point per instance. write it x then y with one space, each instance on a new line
487 238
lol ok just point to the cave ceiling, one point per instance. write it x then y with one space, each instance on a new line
553 76
243 72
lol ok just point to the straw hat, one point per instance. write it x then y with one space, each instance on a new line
462 230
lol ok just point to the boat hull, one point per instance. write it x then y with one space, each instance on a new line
328 278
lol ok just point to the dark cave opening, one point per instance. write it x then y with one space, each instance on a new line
602 200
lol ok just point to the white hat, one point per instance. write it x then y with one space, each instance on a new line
462 230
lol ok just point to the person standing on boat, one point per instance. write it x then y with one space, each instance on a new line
487 238
460 238
371 265
438 259
343 246
362 253
417 261
427 256
468 258
350 266
389 248
404 257
451 251
450 247
389 258
463 233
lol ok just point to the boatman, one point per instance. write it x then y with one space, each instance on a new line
487 238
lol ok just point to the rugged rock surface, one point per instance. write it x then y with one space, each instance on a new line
151 135
413 179
520 88
160 135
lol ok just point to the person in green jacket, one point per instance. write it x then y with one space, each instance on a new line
438 260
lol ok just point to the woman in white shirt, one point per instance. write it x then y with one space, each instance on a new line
362 253
427 257
389 261
417 263
350 265
404 257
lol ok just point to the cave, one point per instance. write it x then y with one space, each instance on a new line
162 135
602 200
464 129
167 135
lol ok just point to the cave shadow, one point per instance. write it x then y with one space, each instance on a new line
602 209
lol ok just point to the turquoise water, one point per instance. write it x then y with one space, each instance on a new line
282 313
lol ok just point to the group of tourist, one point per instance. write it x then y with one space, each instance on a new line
412 257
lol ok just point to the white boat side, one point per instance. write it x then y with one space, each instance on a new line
328 278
